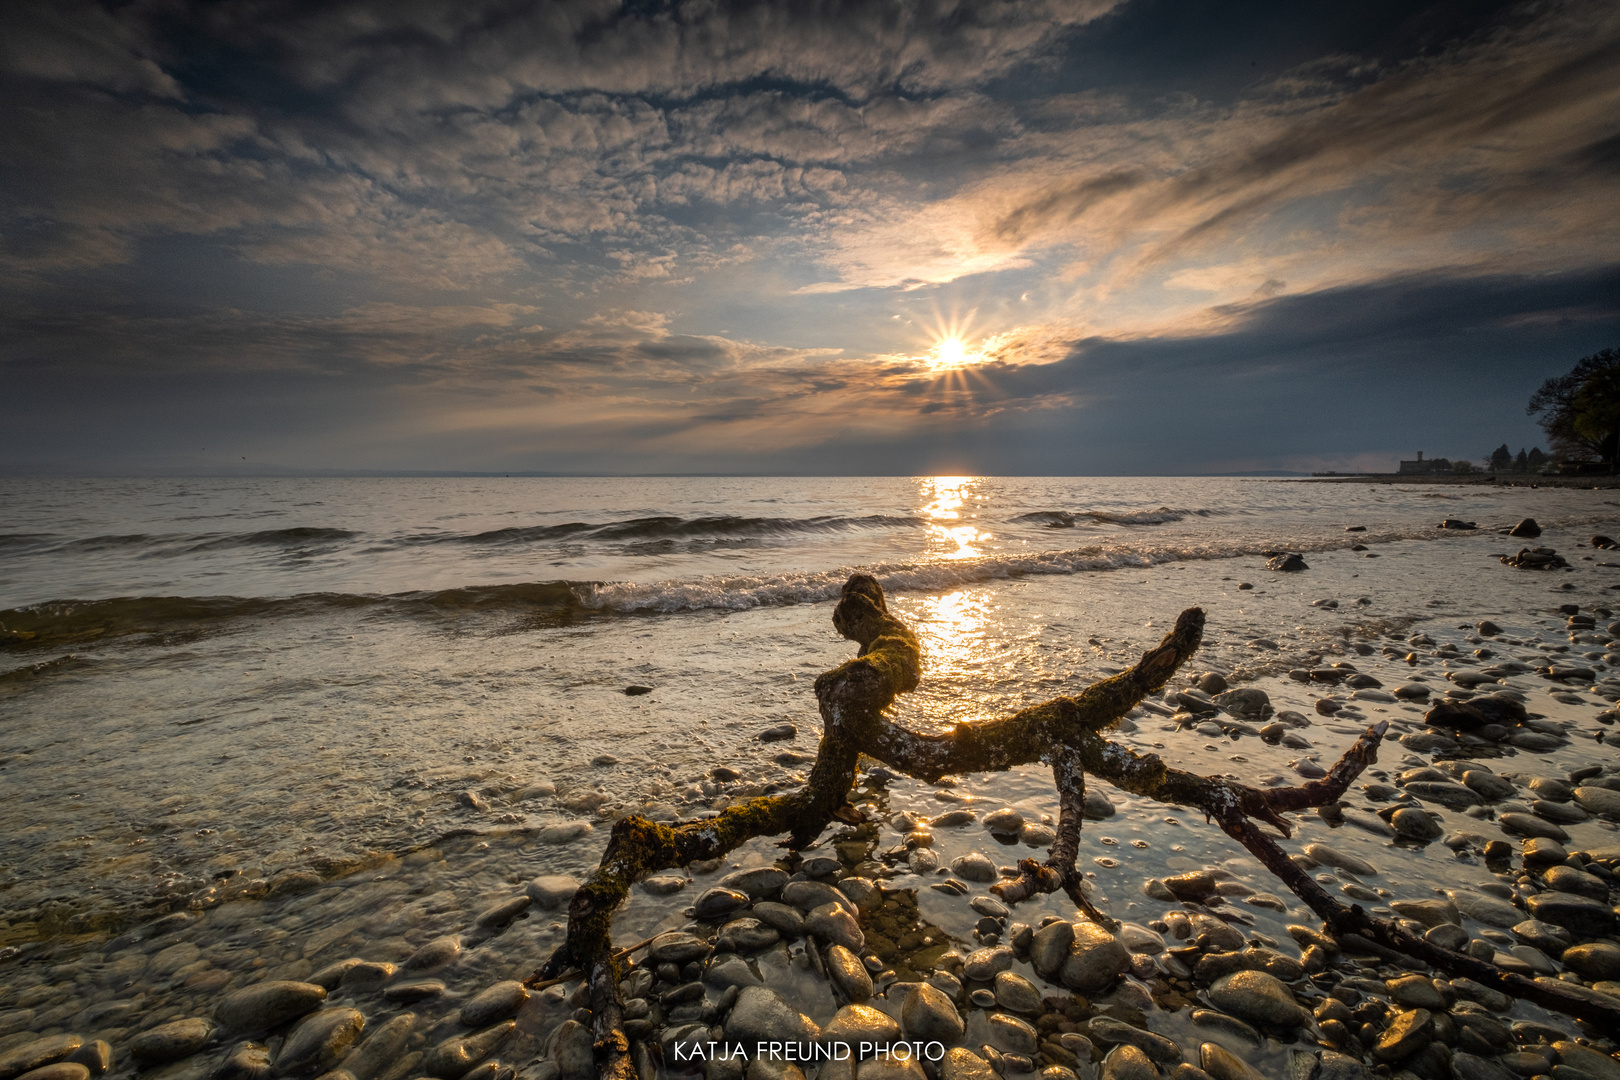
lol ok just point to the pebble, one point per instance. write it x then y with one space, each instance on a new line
1095 959
1599 800
1415 992
1229 1025
1258 998
1049 948
62 1070
1485 909
1108 1030
381 1047
552 891
268 1004
1331 856
499 1002
833 922
1409 1032
758 882
963 1064
761 1013
319 1041
571 1051
1221 1064
983 965
415 990
1415 824
452 1058
1126 1062
929 1014
856 1023
1013 1034
172 1041
974 866
783 919
663 884
248 1061
1004 822
808 895
1582 914
848 974
1018 994
434 955
718 902
676 947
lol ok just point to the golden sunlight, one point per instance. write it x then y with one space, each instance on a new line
951 351
949 495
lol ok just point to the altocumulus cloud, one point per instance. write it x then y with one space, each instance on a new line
602 236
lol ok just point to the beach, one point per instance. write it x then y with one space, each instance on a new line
301 774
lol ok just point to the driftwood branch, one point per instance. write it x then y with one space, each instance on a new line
1066 732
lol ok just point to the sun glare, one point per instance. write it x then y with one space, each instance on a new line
949 352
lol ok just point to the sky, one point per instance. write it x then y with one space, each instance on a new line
797 236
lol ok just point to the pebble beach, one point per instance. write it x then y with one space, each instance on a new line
292 837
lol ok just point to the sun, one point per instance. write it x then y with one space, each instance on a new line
949 352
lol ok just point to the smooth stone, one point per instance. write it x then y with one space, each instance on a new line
717 902
1599 800
415 990
319 1041
746 935
834 923
761 1013
663 884
1415 992
963 1064
1222 1064
1583 1059
246 1061
862 893
1527 825
551 891
1540 853
1490 787
974 867
1229 1025
783 919
1466 1066
451 1058
677 947
1543 935
1214 935
856 1023
985 964
330 976
1485 909
95 1055
1126 1062
990 906
954 819
1430 913
381 1048
1570 880
1596 961
502 914
1331 856
729 971
1196 886
809 895
1447 936
62 1070
1095 959
1444 792
499 1002
1107 1029
1006 821
1572 911
434 955
1011 1033
571 1050
1408 1033
268 1004
1415 824
928 1014
1049 948
848 974
1258 998
1096 806
1213 966
1016 993
366 974
171 1041
757 882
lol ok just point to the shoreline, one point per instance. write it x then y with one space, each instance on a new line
1577 483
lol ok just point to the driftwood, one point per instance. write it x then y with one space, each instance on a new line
1067 733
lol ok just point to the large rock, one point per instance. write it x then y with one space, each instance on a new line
1258 998
929 1015
1096 958
268 1004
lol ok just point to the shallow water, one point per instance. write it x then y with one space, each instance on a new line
423 743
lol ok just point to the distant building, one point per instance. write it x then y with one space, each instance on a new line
1433 465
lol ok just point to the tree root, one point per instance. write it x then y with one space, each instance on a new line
1066 732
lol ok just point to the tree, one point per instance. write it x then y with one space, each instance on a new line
1580 411
1463 467
1535 460
1501 459
1522 462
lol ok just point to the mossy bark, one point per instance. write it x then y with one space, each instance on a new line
1065 732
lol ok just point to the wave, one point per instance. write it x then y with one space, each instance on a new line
1063 519
669 527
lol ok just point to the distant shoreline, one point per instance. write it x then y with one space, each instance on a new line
1472 480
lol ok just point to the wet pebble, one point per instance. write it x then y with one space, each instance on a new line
172 1041
717 902
929 1014
833 922
1126 1062
319 1041
404 993
848 974
1258 998
452 1058
974 866
268 1004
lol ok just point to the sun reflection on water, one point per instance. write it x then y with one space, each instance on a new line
951 533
